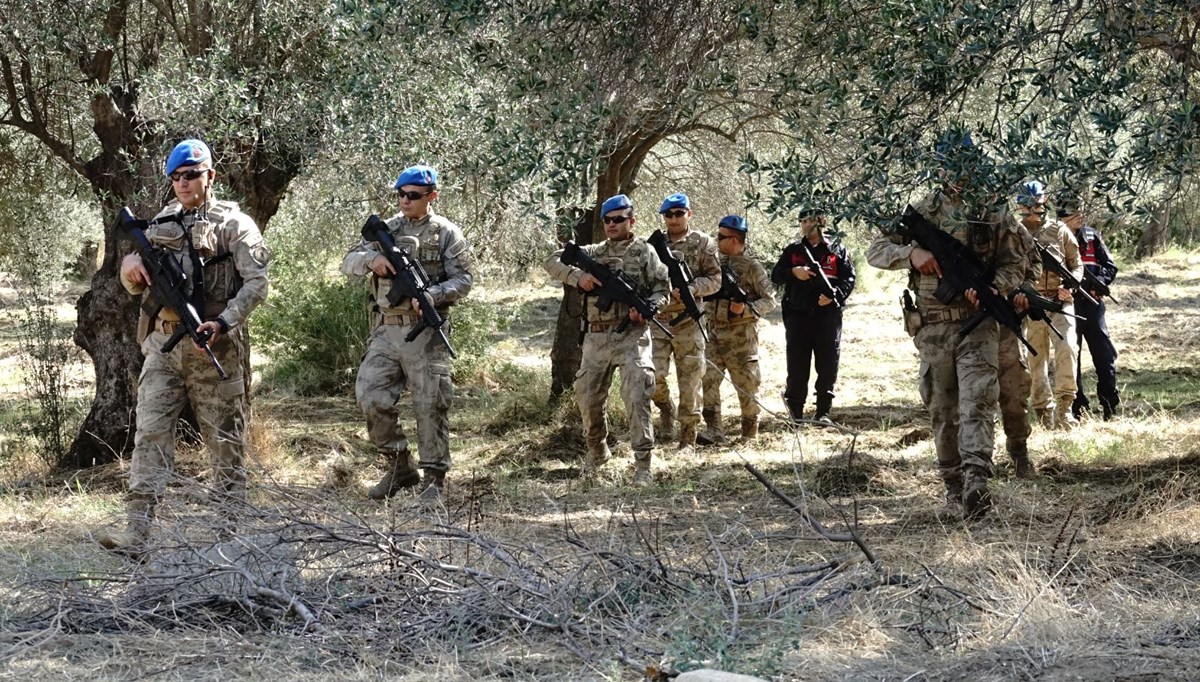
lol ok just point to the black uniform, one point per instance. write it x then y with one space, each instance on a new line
1097 260
813 331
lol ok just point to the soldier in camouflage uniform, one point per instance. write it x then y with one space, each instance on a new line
223 255
958 377
1014 377
422 365
1052 402
606 349
698 251
733 338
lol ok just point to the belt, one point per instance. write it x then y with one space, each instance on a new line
399 319
167 327
602 327
946 315
734 321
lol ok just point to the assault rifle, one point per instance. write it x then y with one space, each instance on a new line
168 286
731 290
681 276
1069 282
822 278
1092 283
1039 306
961 270
615 287
409 282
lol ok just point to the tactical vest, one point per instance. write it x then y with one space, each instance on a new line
977 229
429 253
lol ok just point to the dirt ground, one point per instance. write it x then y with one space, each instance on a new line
532 571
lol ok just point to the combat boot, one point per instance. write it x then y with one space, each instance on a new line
796 412
749 428
687 436
976 497
1110 411
1022 466
952 505
433 484
713 433
1045 417
400 474
595 458
824 405
666 428
132 541
1063 419
641 469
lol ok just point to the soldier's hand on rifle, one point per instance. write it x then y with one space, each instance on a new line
824 300
1021 302
636 316
924 262
134 271
972 297
1065 295
675 296
382 266
587 282
416 306
737 308
210 326
802 273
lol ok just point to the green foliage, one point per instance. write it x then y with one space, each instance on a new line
50 416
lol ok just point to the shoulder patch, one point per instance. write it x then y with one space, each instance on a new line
261 253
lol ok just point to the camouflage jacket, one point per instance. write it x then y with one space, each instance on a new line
232 254
752 277
632 256
699 252
442 250
1058 238
1033 262
990 232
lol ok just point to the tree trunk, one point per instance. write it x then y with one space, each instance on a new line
1154 237
106 330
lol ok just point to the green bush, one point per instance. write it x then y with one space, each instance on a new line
315 333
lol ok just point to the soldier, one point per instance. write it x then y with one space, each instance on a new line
607 347
958 381
1052 402
423 364
223 255
1094 329
1014 378
812 316
733 344
699 253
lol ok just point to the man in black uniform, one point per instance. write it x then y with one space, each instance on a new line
1097 261
814 293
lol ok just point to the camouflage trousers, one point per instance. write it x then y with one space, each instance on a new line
1064 353
422 365
603 353
167 382
1014 390
959 386
688 349
733 348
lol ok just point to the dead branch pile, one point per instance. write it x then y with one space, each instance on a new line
624 589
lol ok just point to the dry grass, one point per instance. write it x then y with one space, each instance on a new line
530 572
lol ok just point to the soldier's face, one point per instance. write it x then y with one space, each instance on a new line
415 200
191 183
677 220
1033 215
1073 221
618 224
810 227
729 242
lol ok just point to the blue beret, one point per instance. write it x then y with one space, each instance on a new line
616 203
677 200
951 143
416 175
1030 192
187 153
734 222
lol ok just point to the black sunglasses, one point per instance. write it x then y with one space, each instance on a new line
188 175
721 237
413 196
615 219
675 214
